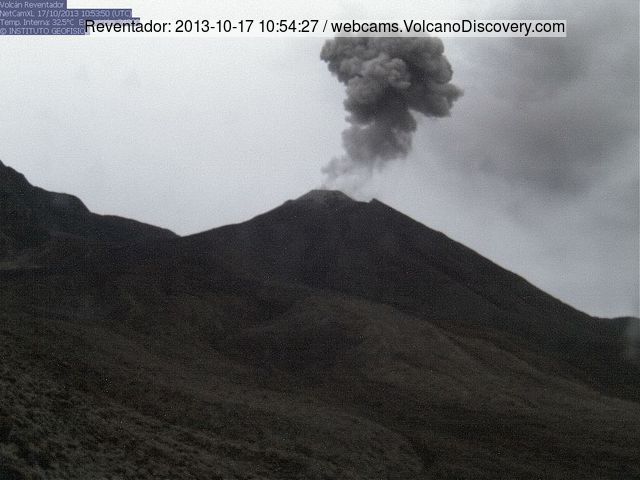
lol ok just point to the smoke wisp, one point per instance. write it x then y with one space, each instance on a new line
387 80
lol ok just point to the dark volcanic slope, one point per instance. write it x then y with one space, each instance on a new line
29 216
325 239
326 339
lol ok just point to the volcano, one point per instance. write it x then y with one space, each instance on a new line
325 339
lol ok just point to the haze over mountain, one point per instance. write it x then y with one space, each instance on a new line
326 338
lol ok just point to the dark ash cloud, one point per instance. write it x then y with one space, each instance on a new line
387 80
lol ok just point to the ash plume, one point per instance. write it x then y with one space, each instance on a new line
387 80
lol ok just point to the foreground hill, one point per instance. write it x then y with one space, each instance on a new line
326 339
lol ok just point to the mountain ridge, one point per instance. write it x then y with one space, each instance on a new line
30 216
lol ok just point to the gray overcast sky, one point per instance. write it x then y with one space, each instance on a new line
537 167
